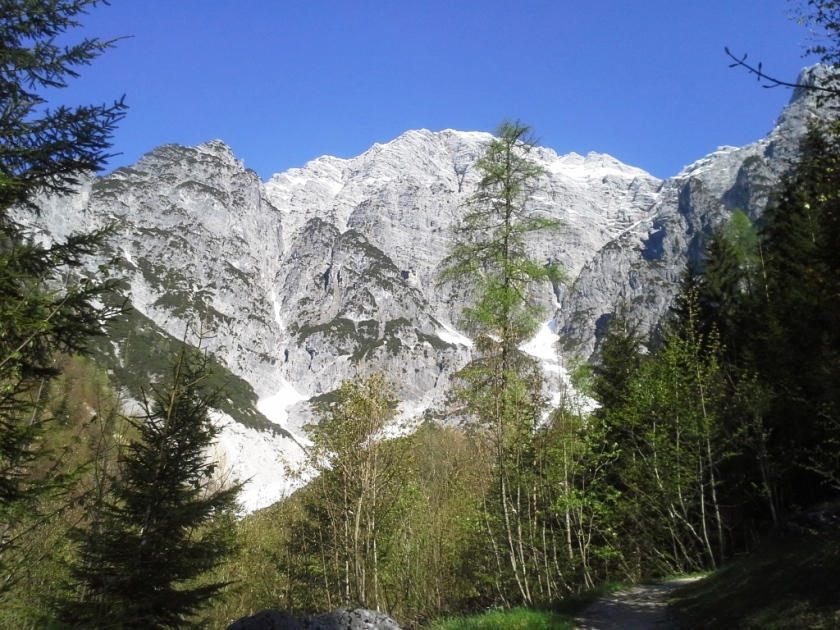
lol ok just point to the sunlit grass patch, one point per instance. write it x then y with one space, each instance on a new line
513 619
557 616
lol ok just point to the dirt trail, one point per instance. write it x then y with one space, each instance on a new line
640 607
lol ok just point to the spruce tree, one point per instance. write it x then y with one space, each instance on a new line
720 291
795 343
47 304
620 359
166 523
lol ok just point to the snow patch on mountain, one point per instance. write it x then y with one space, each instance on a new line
450 335
543 347
276 408
583 169
269 464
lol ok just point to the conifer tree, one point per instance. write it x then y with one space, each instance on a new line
670 446
726 279
47 305
620 359
166 523
502 387
795 344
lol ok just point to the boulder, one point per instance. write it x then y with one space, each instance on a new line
358 619
340 619
267 620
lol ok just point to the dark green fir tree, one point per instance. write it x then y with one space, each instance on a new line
620 359
48 304
166 523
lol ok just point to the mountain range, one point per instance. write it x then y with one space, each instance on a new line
331 270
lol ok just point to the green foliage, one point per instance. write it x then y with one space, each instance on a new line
706 450
362 339
501 388
729 279
84 427
164 522
489 249
557 616
793 344
787 583
620 359
426 544
47 304
46 150
351 504
513 619
666 429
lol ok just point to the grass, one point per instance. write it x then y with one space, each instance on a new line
512 619
558 616
789 582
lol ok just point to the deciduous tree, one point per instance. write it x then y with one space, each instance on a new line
502 387
360 475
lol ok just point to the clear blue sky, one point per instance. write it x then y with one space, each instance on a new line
285 81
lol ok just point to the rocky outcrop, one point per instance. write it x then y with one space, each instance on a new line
196 241
341 619
642 265
365 238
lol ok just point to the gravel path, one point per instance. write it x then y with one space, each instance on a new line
640 607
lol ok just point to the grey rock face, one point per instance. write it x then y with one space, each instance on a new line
365 238
642 266
331 269
197 241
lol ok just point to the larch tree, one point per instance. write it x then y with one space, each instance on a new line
502 387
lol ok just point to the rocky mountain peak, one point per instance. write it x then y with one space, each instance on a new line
331 270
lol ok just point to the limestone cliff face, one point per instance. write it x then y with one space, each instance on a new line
364 239
643 264
331 269
197 241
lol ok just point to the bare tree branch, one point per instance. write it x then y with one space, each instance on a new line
772 82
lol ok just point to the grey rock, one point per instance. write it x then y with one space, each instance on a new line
340 619
642 266
344 619
267 620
